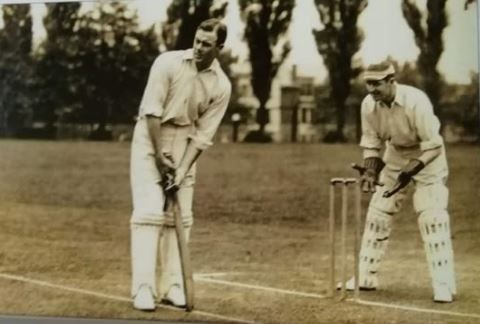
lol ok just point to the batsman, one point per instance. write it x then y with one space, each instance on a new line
399 121
185 99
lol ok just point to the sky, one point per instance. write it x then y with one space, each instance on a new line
386 34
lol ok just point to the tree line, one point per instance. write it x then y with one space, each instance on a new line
92 65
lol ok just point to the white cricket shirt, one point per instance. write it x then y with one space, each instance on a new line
407 124
179 94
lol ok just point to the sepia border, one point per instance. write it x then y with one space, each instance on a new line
19 319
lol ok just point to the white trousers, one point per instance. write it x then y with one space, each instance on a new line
149 221
147 194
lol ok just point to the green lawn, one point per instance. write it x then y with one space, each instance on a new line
260 216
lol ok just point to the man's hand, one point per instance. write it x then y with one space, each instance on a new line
179 176
165 163
369 173
173 181
166 167
405 176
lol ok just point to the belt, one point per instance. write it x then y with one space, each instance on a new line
405 147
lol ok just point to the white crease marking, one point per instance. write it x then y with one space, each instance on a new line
113 297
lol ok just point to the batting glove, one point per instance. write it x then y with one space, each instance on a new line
168 174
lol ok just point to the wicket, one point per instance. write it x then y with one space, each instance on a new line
344 183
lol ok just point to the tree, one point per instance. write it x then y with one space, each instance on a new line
114 58
183 18
475 82
468 3
267 23
337 42
15 67
57 63
93 66
430 42
470 107
408 74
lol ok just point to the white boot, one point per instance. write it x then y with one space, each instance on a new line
442 293
369 285
144 299
175 296
144 250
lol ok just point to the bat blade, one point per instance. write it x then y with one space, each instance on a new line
184 252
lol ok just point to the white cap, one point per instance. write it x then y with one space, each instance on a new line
378 72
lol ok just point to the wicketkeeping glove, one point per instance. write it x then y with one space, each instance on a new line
405 176
369 173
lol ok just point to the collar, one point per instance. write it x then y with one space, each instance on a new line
399 98
188 56
399 95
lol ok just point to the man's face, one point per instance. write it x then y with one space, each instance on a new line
381 90
205 47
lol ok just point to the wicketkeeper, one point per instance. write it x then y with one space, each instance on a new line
186 97
400 119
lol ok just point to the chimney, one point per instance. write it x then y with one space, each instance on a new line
294 73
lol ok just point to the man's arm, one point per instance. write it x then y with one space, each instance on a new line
152 108
156 90
189 157
428 130
428 156
371 145
206 126
164 164
431 143
154 125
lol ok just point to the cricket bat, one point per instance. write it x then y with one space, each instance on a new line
184 253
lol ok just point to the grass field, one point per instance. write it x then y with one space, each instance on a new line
259 245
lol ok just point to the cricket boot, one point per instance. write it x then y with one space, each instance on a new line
442 293
350 284
144 250
144 299
171 278
175 296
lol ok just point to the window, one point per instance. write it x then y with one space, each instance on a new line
306 115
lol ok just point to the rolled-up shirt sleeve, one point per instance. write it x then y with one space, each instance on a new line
370 139
427 124
153 99
208 122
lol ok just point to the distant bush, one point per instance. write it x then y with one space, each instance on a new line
100 134
36 133
334 137
258 137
